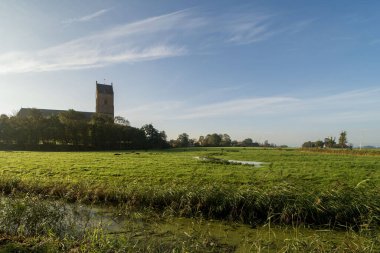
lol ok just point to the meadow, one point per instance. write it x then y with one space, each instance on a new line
295 190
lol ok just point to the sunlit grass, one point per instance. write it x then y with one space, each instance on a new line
294 188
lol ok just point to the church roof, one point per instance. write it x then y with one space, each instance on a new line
46 113
104 88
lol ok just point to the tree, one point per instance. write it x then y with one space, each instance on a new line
73 129
163 136
19 132
76 130
150 131
182 140
154 138
101 131
192 142
133 137
5 129
213 140
53 130
343 139
330 142
319 144
121 121
308 144
226 140
315 144
34 126
201 140
247 142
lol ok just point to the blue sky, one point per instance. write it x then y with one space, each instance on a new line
283 71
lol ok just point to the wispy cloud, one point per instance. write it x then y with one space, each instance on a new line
143 40
361 95
87 17
249 28
170 35
355 105
283 119
299 26
252 27
239 107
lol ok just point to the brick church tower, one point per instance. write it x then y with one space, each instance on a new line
104 99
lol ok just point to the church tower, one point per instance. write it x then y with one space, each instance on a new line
104 99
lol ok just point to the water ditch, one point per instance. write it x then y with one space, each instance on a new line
225 161
227 236
146 226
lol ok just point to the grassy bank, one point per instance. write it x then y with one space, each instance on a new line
294 187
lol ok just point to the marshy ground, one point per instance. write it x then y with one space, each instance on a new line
165 201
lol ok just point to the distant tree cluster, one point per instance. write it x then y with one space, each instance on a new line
216 140
250 143
72 130
329 142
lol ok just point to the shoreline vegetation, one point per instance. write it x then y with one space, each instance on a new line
294 188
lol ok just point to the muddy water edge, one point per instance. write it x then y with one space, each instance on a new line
91 227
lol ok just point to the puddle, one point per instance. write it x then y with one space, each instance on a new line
254 163
219 160
103 217
78 216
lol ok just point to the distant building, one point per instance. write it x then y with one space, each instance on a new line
104 99
104 104
47 113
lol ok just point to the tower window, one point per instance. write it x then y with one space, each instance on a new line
105 101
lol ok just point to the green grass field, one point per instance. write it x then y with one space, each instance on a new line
316 190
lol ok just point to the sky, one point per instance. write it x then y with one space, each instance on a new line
286 71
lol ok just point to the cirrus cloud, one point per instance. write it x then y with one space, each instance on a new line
170 35
86 18
138 41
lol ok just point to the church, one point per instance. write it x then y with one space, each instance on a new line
104 104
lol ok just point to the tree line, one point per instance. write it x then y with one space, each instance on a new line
216 140
329 142
71 130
